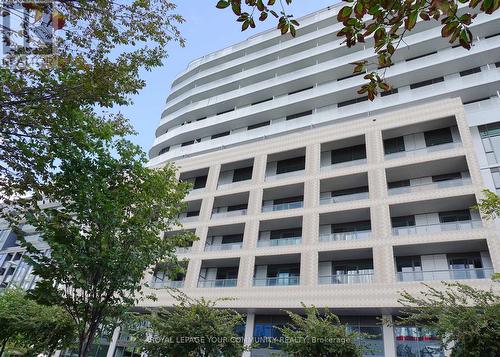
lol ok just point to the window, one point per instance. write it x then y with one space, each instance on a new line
426 83
280 201
301 90
187 143
226 111
200 182
227 273
470 71
394 145
476 100
364 266
350 76
239 207
286 233
351 153
220 135
408 264
242 174
398 184
298 115
259 125
438 137
465 261
280 270
421 56
262 101
352 101
232 238
403 221
454 216
193 213
493 35
164 150
495 173
350 191
290 165
490 136
447 177
351 227
200 119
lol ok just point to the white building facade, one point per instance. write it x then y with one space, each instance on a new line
306 192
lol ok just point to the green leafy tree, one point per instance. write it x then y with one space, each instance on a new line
192 328
489 206
466 319
318 334
386 21
101 48
30 327
105 231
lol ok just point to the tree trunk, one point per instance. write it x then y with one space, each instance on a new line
3 346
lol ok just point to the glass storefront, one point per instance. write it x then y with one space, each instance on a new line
417 342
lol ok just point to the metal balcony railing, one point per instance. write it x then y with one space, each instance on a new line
436 228
168 284
354 235
450 274
280 281
343 164
217 283
223 246
365 278
241 212
345 198
283 206
423 151
430 186
279 242
285 175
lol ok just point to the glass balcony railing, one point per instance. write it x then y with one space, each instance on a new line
280 281
450 274
355 235
343 164
429 186
423 151
241 212
285 175
196 191
279 242
168 284
231 185
346 279
436 228
218 283
182 250
224 246
344 198
189 219
283 206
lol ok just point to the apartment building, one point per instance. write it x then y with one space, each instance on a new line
306 192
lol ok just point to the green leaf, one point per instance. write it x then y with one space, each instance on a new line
222 4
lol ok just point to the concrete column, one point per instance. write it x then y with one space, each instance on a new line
313 158
308 268
310 228
192 274
201 233
249 327
388 335
245 272
213 178
112 343
259 169
254 202
383 264
251 234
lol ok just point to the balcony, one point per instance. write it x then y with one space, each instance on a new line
219 273
236 174
345 267
447 274
344 189
192 213
283 206
222 238
343 153
168 284
283 198
344 236
280 232
345 225
230 206
286 164
197 178
422 138
437 227
282 270
428 176
280 242
162 280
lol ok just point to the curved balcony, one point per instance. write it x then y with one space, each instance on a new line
437 228
218 283
449 274
344 236
346 279
280 281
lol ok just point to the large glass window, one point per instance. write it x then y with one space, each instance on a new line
416 341
351 153
490 136
242 174
290 165
394 145
286 233
200 182
454 216
403 221
351 227
438 137
350 191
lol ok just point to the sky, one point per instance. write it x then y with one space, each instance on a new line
206 30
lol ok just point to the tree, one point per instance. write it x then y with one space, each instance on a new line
194 328
318 334
466 319
489 206
31 327
101 48
105 231
387 21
